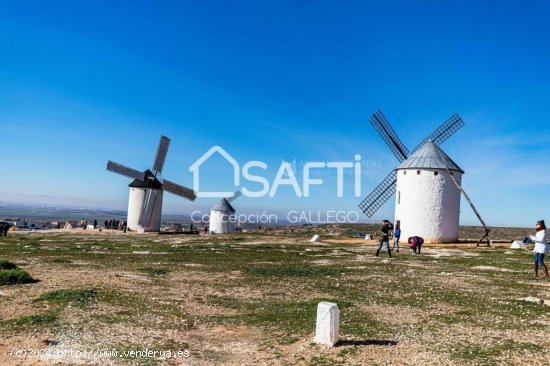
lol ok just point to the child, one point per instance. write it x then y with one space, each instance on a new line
541 247
415 242
396 236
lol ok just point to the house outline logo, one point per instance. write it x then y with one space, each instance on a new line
195 169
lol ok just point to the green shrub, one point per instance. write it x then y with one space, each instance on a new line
155 271
38 319
81 297
7 265
295 271
60 260
14 276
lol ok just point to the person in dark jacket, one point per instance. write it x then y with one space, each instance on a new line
384 238
4 227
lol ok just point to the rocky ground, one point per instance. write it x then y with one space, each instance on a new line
251 298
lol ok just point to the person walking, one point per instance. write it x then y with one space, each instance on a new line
541 248
415 243
385 232
396 236
4 227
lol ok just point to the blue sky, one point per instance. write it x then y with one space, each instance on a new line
84 82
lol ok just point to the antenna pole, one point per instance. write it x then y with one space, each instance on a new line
487 230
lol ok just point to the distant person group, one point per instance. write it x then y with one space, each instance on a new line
415 242
113 224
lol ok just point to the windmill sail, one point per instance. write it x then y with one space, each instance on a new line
162 150
146 190
124 170
179 190
386 188
379 195
443 132
385 130
147 207
236 195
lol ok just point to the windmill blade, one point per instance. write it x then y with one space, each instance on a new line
124 170
176 189
386 188
443 132
385 130
147 206
236 195
379 195
162 150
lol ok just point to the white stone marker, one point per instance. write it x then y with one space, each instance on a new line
328 323
368 237
315 238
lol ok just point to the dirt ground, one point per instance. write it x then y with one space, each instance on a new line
251 298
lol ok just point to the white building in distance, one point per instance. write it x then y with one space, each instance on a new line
427 200
220 218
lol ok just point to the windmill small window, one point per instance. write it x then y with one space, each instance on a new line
418 172
398 197
436 173
404 172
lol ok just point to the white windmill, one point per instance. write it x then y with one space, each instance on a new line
427 203
146 191
428 185
222 215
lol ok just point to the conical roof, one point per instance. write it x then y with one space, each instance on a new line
150 181
429 156
223 206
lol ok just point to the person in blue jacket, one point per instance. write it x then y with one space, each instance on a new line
396 236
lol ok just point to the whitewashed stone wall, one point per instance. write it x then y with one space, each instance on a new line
428 205
135 200
220 223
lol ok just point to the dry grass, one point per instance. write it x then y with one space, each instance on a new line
251 299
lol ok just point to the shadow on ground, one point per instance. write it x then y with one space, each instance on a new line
366 342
